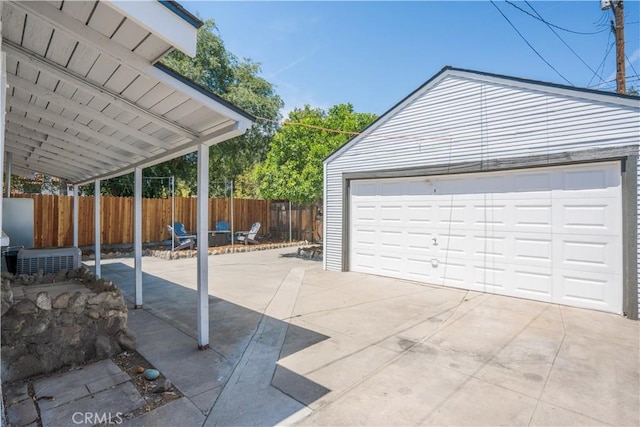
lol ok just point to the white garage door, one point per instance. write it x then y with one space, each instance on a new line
550 234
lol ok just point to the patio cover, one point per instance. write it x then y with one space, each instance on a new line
86 98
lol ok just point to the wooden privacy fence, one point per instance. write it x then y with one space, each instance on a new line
295 222
53 218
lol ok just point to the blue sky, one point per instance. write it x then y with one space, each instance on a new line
373 54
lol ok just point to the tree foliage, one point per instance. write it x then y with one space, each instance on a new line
293 168
181 169
38 184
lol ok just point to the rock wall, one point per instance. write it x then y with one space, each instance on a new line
220 250
65 318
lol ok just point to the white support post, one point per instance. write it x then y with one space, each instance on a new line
76 213
3 91
203 248
8 172
290 220
233 236
96 221
137 234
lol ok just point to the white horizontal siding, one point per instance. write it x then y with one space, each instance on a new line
461 119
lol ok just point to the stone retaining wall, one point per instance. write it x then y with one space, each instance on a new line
66 318
220 250
188 253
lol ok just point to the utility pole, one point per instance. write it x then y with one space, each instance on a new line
618 30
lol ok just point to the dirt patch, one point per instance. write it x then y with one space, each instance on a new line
155 393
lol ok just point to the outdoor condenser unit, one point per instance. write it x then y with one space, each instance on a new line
49 260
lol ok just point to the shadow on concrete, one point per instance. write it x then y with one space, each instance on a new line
240 369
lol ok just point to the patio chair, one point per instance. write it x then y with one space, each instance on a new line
181 239
222 226
248 236
221 235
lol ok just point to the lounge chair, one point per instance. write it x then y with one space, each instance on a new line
222 226
248 236
181 239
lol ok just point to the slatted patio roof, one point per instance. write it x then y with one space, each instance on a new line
86 98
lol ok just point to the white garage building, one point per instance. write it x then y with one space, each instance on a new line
495 184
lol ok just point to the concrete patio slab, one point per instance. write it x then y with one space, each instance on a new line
523 365
204 401
480 403
600 326
486 338
345 372
173 353
306 353
597 379
550 415
108 403
291 343
180 412
59 389
458 360
550 320
22 413
403 393
252 378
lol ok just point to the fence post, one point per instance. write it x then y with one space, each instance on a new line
96 230
76 214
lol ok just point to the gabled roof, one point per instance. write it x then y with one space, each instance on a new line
86 98
447 71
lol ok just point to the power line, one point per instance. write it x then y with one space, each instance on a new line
351 133
608 82
529 44
540 18
631 64
606 54
562 40
603 21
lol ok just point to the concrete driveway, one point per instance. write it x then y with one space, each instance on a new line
294 344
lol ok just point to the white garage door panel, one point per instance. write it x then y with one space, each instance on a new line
597 254
533 283
550 234
533 249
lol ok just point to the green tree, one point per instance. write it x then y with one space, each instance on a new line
293 168
38 184
182 169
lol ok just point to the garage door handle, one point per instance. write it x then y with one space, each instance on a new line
435 241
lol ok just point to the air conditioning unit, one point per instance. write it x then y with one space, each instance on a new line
49 260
